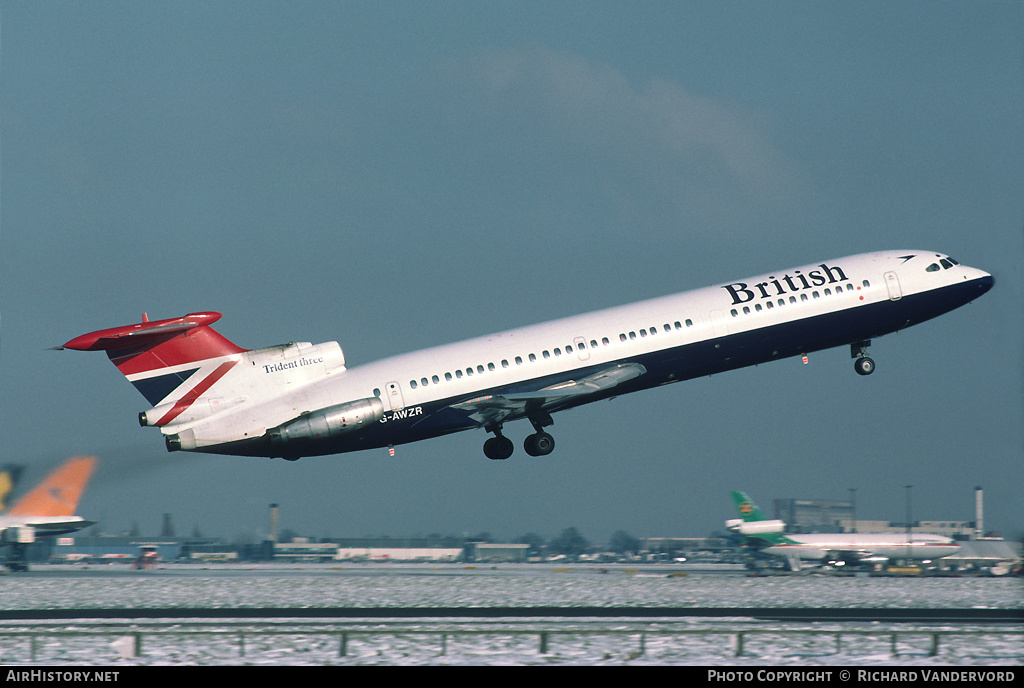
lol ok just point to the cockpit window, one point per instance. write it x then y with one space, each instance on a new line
934 267
946 265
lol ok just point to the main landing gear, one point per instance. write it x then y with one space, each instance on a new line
862 363
540 443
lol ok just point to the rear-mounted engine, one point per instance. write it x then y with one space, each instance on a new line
329 422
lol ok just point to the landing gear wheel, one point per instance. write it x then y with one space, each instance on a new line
539 444
864 365
498 448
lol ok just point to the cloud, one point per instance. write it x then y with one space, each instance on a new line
710 159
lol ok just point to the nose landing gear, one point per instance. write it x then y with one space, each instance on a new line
862 363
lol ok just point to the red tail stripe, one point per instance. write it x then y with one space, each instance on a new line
199 344
190 397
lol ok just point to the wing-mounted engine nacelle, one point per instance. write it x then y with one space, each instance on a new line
329 422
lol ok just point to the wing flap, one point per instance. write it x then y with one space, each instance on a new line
495 409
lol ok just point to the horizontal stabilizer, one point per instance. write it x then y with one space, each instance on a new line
131 336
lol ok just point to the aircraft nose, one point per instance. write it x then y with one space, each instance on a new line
985 283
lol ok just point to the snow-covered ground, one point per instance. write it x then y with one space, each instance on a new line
692 641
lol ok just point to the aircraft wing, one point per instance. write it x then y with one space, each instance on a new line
495 409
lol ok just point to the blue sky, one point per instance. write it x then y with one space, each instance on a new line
395 175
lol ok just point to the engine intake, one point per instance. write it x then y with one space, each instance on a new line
329 422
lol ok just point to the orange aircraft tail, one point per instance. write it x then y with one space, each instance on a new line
58 495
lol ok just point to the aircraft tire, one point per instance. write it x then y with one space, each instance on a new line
539 444
498 448
864 365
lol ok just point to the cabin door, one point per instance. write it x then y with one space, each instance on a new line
394 396
892 283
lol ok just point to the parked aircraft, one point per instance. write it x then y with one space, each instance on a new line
299 399
47 510
768 538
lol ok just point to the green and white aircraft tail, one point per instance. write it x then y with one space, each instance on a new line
753 524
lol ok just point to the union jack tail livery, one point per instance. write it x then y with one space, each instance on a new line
160 359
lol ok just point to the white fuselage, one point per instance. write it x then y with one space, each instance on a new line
822 546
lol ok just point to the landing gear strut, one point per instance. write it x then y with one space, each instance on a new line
18 561
862 363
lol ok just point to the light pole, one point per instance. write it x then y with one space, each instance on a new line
908 519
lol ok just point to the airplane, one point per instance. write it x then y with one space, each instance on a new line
299 399
768 538
47 510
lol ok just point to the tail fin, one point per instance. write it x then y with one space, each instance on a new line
9 476
59 493
754 523
748 510
158 356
